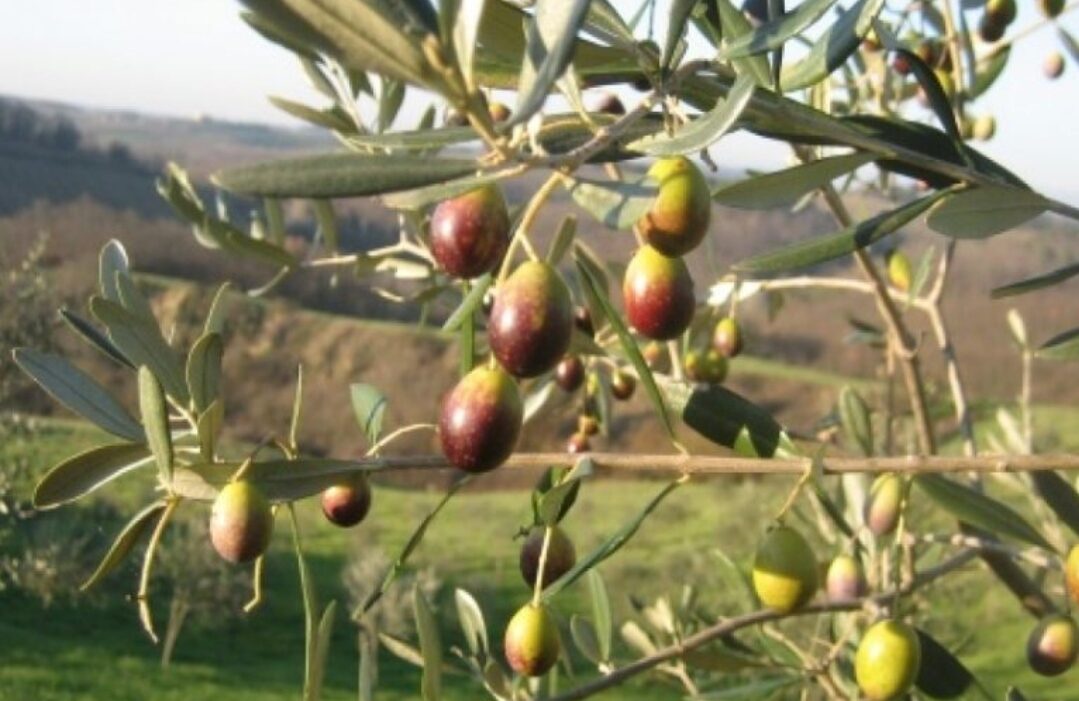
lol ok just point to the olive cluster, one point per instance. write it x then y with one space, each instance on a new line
887 661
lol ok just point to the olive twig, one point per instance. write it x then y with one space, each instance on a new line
730 625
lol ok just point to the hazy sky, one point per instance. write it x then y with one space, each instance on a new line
189 57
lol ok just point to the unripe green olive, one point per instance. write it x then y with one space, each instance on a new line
241 522
531 643
1071 573
887 661
845 579
727 337
882 505
785 573
899 272
682 210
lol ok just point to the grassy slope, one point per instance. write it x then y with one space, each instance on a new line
73 651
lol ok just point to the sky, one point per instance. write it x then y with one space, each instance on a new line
196 57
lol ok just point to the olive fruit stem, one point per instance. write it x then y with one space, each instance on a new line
731 625
398 433
537 589
143 595
807 475
520 234
256 581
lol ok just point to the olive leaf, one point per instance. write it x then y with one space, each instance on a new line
785 187
125 542
979 510
84 472
78 392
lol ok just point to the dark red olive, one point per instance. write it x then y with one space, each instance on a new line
569 373
481 420
532 320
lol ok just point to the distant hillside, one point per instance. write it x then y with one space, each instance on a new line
202 144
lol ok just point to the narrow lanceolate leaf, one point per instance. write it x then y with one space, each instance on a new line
204 370
941 674
556 502
939 101
677 17
1064 346
979 510
142 342
155 419
1059 494
279 480
215 318
369 404
980 212
629 346
468 305
83 473
551 37
601 613
94 337
726 418
78 392
735 26
706 129
832 48
610 546
615 203
854 418
341 175
473 626
424 196
841 243
989 70
773 34
368 36
1037 282
113 259
139 524
584 637
430 646
326 118
322 651
785 187
562 240
466 28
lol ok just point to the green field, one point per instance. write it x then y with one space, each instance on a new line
79 649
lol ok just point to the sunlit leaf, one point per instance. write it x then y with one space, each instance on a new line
825 248
985 211
785 187
341 175
84 472
979 510
78 392
1037 282
125 542
703 131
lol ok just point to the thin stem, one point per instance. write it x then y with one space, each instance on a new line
899 336
731 625
537 589
520 236
256 579
394 435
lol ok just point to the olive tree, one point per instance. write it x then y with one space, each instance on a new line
837 82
